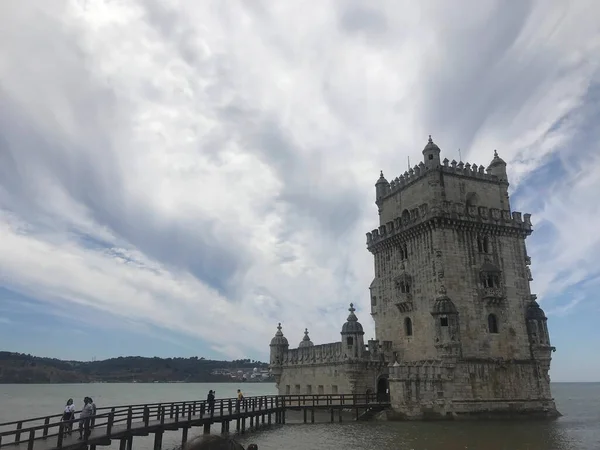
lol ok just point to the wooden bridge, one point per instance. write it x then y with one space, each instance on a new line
123 423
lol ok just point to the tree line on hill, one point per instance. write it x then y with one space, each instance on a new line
24 368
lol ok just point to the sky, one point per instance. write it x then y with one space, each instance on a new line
178 177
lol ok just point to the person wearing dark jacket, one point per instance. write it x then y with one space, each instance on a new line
210 401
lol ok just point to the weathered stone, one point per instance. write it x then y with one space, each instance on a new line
461 333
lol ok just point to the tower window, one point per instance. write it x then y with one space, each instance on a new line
404 287
430 157
403 252
408 326
490 281
349 341
492 324
444 321
483 244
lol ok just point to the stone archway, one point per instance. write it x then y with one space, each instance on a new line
383 389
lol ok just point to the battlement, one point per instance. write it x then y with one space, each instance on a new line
420 171
454 211
316 354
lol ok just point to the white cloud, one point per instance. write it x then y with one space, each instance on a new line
227 152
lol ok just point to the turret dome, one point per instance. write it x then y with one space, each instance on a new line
352 325
497 161
431 147
534 312
279 339
443 305
381 179
305 342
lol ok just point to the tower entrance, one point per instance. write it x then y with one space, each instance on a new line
383 389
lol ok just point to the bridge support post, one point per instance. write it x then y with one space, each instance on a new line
283 416
305 412
158 437
130 443
340 415
243 425
331 411
123 444
251 421
237 424
184 436
207 428
312 415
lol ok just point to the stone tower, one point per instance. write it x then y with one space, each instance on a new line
451 293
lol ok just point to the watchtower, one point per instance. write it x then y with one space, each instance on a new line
452 278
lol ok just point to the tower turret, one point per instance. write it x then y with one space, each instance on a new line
305 342
447 329
382 187
352 335
279 345
498 167
431 154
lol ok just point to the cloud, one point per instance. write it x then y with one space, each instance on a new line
208 168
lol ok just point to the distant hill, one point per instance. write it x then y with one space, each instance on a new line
22 368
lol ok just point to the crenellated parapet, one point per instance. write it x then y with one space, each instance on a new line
420 171
456 214
316 354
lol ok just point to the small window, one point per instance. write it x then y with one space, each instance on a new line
350 341
374 300
321 389
287 389
334 389
430 157
490 281
444 321
492 324
308 389
408 326
483 244
297 389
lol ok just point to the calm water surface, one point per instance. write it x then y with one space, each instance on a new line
578 429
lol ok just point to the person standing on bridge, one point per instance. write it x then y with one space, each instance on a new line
68 416
240 399
84 418
210 400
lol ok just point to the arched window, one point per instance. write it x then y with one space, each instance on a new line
404 287
349 341
492 324
483 244
403 252
408 326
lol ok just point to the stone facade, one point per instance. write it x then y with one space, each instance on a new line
344 367
458 331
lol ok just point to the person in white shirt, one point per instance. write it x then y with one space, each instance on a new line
69 414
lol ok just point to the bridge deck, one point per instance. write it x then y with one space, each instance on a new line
124 422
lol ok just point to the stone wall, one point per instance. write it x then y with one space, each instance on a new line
432 389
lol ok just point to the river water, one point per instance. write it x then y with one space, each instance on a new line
578 429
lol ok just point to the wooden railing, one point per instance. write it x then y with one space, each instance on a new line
122 421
